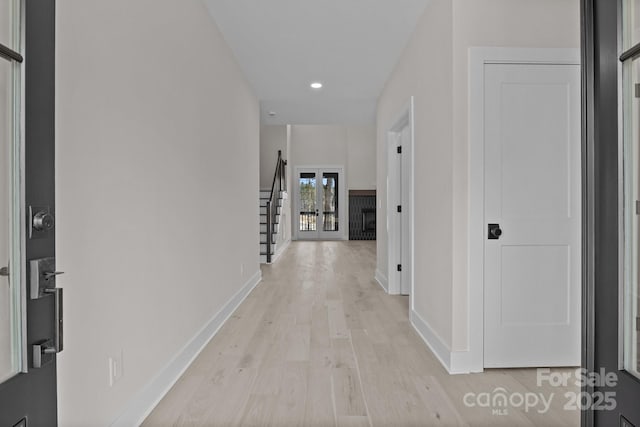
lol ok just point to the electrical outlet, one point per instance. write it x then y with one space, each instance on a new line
116 368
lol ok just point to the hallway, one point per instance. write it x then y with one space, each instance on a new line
319 343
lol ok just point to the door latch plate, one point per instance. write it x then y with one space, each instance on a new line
43 353
41 277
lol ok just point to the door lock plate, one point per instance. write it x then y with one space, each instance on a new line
42 276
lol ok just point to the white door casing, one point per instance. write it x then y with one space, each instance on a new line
404 229
532 283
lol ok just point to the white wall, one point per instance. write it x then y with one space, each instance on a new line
351 146
519 23
434 69
361 157
157 142
424 71
272 139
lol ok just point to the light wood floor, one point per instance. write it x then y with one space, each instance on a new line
319 343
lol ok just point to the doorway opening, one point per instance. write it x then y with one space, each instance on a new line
400 204
319 203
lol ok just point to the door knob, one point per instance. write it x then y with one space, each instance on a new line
494 231
4 271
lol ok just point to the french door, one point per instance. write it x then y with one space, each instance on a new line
30 316
611 58
319 203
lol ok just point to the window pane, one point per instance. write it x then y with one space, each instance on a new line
631 167
631 23
10 201
308 197
330 201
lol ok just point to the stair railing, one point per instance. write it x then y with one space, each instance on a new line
279 184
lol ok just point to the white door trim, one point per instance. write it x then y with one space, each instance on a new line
342 201
405 118
478 57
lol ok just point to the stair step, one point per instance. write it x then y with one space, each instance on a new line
263 219
263 248
263 210
267 194
263 228
276 202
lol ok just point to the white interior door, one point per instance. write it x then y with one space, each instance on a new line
532 291
319 195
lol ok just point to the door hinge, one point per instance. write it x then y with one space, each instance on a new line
399 208
637 207
638 324
637 87
399 267
400 149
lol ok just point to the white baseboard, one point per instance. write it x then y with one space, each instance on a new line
280 251
455 362
141 405
382 280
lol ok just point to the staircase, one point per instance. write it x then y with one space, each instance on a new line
277 206
270 210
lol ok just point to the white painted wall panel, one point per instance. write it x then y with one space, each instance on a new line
157 190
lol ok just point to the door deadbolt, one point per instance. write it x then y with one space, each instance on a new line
494 232
43 221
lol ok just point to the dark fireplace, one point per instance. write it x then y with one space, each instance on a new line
362 215
368 219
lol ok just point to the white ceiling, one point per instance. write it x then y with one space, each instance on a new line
351 46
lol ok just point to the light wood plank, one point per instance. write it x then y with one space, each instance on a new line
318 343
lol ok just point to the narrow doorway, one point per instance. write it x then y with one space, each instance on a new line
400 204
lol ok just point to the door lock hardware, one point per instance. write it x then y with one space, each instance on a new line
58 327
494 232
42 276
41 221
43 353
51 274
4 271
42 280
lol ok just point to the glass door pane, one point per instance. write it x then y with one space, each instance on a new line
307 186
330 201
10 198
631 167
631 24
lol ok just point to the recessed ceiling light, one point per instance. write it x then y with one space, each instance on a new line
316 85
